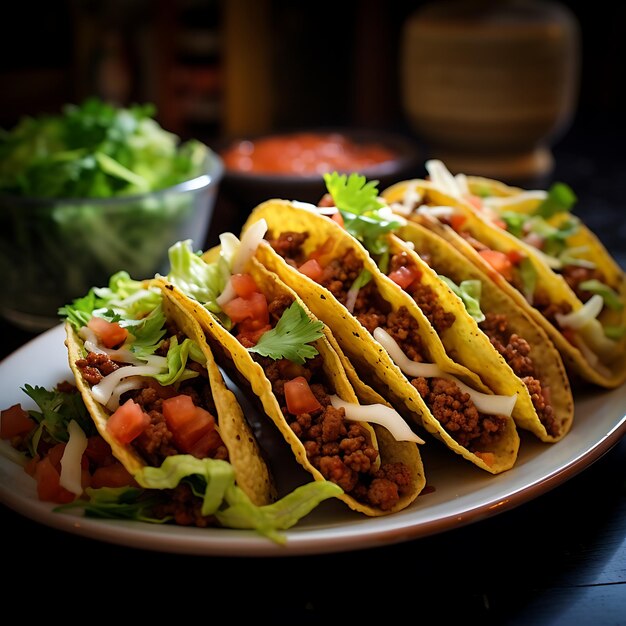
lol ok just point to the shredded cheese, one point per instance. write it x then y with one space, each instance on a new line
377 414
71 461
491 404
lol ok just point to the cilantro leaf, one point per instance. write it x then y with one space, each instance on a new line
291 337
366 216
57 410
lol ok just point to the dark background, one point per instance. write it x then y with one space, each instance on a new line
309 63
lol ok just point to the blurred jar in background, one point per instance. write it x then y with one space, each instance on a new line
490 85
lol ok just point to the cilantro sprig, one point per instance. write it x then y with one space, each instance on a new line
292 336
366 216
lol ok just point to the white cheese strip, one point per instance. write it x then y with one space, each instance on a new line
250 241
491 404
71 461
377 414
441 176
103 391
577 319
497 202
132 382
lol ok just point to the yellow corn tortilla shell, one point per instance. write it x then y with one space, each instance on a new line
478 353
251 471
591 248
370 359
609 373
236 359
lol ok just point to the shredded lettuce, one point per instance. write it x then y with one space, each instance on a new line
561 198
194 277
230 504
469 292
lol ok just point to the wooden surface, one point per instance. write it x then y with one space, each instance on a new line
559 559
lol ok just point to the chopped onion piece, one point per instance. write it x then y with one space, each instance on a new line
441 177
577 319
227 295
377 414
412 368
307 206
320 210
351 297
71 461
411 198
119 355
436 211
132 382
462 184
501 202
491 404
250 241
103 391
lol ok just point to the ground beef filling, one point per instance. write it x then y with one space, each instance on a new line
575 274
516 352
156 442
452 408
424 295
340 449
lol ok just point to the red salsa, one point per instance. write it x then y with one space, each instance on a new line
304 153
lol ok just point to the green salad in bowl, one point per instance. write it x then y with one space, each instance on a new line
89 191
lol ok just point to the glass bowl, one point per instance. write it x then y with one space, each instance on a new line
54 250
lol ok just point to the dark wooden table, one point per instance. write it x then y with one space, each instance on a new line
558 559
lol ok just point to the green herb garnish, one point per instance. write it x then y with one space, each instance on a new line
561 198
366 216
291 338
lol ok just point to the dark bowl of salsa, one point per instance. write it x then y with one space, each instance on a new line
290 165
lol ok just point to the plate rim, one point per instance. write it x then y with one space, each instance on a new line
301 539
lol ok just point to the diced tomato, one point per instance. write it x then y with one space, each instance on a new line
312 269
98 451
500 223
299 397
255 307
15 421
404 275
55 454
499 261
244 285
338 217
48 486
322 251
206 445
128 422
111 334
456 221
515 256
191 426
248 335
113 475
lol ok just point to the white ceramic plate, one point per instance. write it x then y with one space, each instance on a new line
457 493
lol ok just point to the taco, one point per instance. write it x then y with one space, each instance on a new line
157 397
285 359
385 335
587 329
545 405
